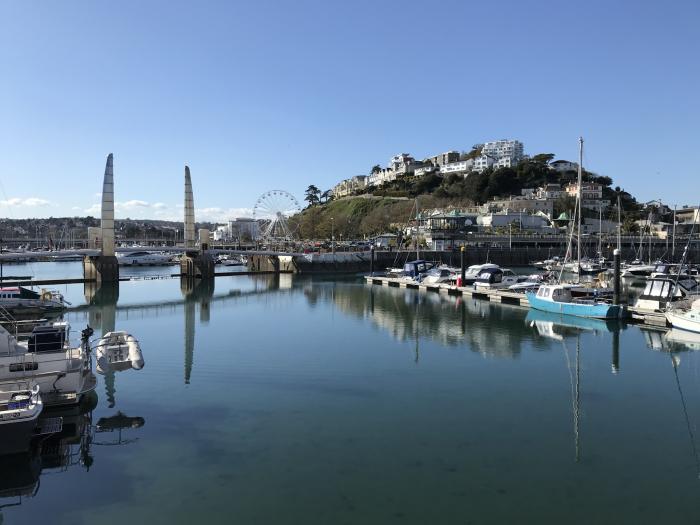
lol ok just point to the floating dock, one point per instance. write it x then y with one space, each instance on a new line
635 315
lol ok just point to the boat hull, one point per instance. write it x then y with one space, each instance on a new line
593 311
684 322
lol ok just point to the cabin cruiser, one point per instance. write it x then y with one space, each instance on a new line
143 258
412 270
63 373
637 271
20 301
473 271
496 278
685 318
672 270
531 283
20 407
657 292
560 299
440 274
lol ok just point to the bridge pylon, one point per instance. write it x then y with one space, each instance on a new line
196 262
104 267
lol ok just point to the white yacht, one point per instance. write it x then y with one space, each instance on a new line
497 278
658 295
473 271
685 318
20 407
19 301
63 373
143 258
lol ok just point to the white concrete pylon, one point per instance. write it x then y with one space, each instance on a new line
107 223
189 211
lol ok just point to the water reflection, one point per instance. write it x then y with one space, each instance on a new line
195 291
53 454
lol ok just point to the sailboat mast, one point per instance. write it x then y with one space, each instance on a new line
417 223
673 237
578 215
619 224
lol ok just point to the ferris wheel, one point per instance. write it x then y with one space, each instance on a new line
272 210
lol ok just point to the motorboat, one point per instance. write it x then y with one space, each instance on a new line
228 260
497 278
62 372
531 283
660 292
412 270
674 270
560 299
20 407
22 302
440 274
637 271
473 271
143 258
685 318
118 351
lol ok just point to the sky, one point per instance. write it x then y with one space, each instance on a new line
264 95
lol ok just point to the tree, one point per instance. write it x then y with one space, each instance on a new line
326 196
543 158
375 169
312 195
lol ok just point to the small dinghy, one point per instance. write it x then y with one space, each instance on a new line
118 351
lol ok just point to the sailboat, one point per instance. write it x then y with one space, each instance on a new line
558 298
683 317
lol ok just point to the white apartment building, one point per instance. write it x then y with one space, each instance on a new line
483 162
589 190
401 164
462 167
499 149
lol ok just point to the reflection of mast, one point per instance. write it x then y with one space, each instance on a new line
575 394
675 360
189 339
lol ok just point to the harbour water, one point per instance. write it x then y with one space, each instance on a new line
287 399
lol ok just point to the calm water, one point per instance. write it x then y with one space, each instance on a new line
314 401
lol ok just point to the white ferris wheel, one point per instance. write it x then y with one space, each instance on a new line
272 210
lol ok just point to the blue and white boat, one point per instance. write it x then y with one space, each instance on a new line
557 299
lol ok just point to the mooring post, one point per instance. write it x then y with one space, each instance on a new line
616 277
371 261
461 265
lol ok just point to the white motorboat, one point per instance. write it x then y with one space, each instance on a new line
22 302
20 407
441 274
658 293
685 318
63 373
474 270
637 271
143 258
531 283
118 351
497 278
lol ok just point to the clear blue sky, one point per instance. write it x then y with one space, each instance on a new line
278 95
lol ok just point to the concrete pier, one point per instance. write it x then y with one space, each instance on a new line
104 267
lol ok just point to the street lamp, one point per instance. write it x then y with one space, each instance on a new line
332 238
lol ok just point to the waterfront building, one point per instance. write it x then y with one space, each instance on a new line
447 230
483 162
522 221
519 204
688 214
243 228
